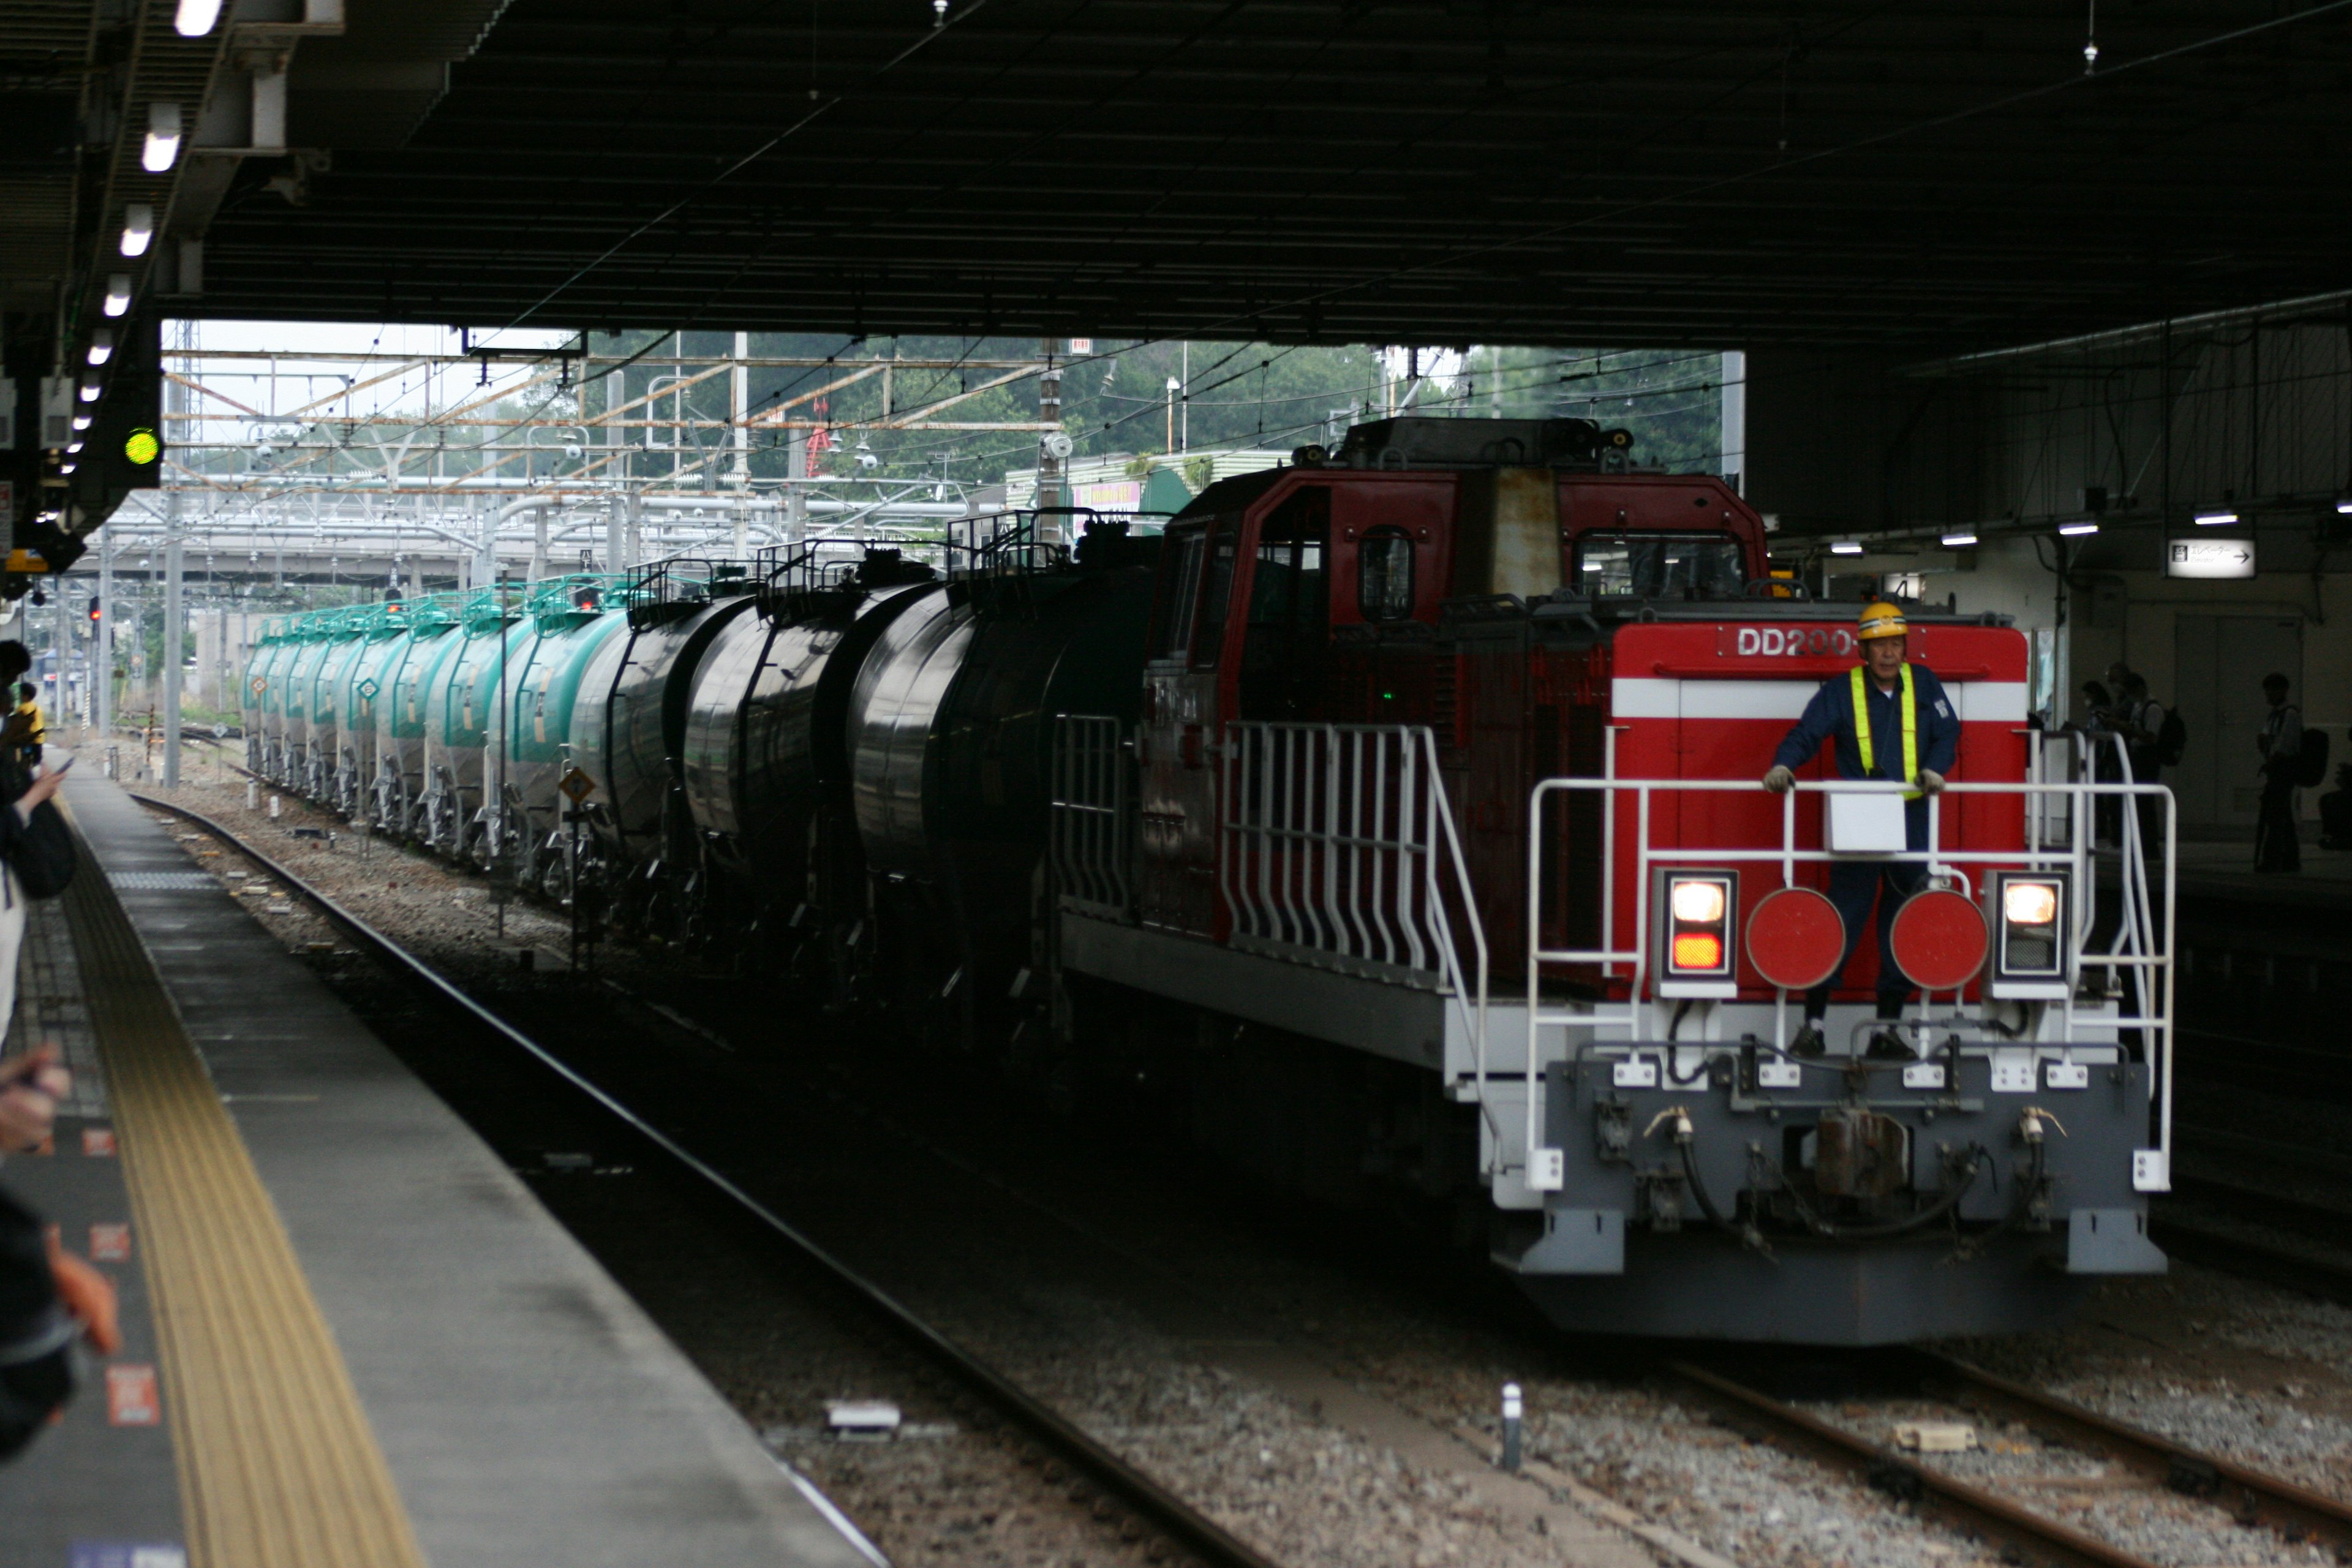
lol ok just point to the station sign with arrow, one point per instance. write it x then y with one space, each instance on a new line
2210 557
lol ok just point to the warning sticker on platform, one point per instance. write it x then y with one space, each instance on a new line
97 1142
128 1554
109 1244
131 1396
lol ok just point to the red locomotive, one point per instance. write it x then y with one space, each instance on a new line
1447 759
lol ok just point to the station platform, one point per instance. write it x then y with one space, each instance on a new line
353 1338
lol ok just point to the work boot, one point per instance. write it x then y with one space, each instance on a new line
1809 1041
1888 1045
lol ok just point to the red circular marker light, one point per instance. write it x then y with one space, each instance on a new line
1939 939
1795 938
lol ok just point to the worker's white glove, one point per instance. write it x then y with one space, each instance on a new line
1931 781
1780 781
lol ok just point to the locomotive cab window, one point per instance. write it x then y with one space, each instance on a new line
1179 585
1384 575
1660 566
1209 630
1289 610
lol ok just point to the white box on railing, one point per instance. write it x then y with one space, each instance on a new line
1866 823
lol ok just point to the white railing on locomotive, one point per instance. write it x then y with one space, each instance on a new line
1338 847
1092 844
1326 840
2151 942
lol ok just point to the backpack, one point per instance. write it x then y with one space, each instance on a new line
43 855
2171 740
2311 759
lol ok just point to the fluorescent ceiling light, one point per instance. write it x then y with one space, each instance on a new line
90 391
1959 540
101 347
2344 507
118 294
138 229
81 421
68 468
72 447
1846 547
162 148
2212 519
194 18
2072 529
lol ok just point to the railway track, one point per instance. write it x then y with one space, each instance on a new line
2244 1495
1183 1526
2247 1496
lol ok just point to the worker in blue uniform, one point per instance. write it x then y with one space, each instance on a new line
1885 719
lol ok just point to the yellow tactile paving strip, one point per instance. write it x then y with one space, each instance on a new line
279 1466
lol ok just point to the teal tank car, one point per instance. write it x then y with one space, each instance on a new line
381 629
460 708
311 644
568 620
398 784
262 699
344 639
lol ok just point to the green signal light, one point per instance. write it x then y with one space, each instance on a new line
143 447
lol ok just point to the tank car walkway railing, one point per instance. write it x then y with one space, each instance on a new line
2146 948
1338 849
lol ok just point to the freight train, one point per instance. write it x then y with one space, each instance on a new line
1388 819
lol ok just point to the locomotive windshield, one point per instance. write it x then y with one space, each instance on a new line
1660 566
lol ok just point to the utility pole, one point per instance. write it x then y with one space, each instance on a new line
796 487
1053 443
1734 421
740 409
59 708
174 631
617 522
101 643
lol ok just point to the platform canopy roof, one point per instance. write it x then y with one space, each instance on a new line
1921 178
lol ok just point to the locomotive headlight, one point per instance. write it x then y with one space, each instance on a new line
2031 947
1697 903
1693 934
2029 904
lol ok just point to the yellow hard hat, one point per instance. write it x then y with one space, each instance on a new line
1881 620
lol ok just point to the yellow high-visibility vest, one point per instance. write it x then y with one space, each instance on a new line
1910 729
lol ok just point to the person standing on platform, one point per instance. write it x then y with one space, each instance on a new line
2276 846
1883 720
47 1296
2140 719
35 729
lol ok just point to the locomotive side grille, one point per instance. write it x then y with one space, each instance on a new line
1446 700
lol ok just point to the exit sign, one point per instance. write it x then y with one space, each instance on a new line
2224 557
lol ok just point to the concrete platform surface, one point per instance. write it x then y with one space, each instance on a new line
529 1412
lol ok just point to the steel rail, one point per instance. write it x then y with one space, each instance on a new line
2032 1538
1185 1525
2294 1512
